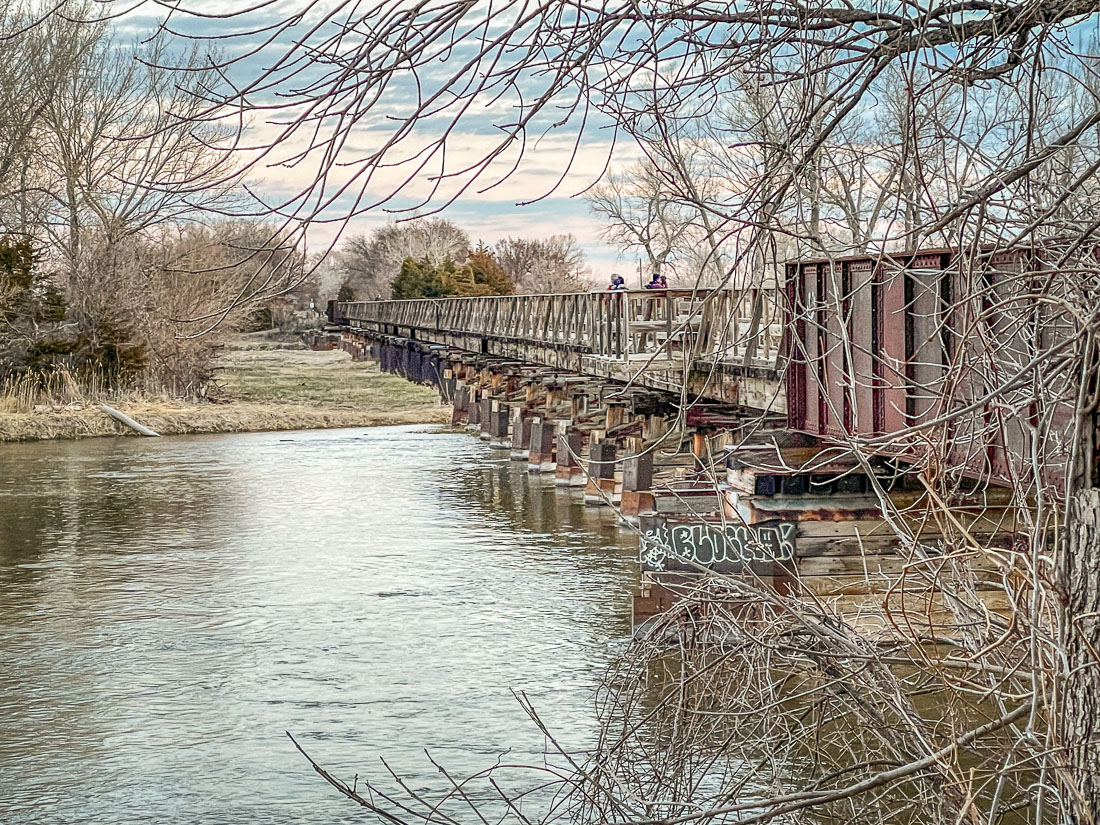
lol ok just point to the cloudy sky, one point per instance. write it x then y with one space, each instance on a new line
417 174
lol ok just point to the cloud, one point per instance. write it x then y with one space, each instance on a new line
546 166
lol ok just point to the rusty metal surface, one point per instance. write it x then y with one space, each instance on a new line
880 335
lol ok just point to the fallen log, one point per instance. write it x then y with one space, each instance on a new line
122 418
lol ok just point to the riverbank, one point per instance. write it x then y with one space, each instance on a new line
262 385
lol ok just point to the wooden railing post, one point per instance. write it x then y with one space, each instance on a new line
669 302
623 317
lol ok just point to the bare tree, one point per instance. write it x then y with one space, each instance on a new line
544 265
39 60
371 262
102 161
120 153
642 213
328 274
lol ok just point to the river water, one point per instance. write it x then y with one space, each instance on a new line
169 607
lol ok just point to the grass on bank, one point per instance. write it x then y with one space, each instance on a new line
260 385
301 376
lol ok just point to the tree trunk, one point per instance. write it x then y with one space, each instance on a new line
1079 722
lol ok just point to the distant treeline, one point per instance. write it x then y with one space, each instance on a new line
434 258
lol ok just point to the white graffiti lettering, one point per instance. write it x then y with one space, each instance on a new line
711 545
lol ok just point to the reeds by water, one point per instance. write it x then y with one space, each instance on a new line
63 388
28 391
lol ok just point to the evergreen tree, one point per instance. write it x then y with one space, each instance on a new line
487 272
481 276
30 308
420 279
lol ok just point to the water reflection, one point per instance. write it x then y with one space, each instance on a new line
170 607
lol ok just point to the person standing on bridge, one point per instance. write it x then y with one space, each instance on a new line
657 282
617 283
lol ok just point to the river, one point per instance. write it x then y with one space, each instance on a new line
169 607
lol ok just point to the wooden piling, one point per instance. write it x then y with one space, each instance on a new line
485 417
637 495
541 456
499 437
460 409
570 467
521 437
473 410
600 489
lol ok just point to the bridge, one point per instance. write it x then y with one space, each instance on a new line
726 423
723 345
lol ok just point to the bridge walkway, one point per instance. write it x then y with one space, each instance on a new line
723 345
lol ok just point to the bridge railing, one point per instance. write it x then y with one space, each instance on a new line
660 326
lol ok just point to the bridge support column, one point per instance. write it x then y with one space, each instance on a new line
570 470
578 404
430 372
601 473
473 414
541 457
701 448
616 416
447 383
637 481
498 426
653 427
461 408
521 436
555 397
485 417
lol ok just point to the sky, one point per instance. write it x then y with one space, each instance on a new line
485 213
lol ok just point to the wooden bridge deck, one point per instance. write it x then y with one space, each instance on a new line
723 345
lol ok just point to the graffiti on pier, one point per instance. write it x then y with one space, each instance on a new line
726 548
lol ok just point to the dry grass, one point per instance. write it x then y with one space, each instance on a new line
332 379
26 393
260 389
